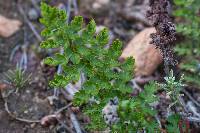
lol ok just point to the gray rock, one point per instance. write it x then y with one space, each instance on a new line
33 14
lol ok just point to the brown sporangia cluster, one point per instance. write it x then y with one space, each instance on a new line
165 29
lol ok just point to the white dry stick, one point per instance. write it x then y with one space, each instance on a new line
193 109
13 52
143 80
158 120
169 111
70 89
183 104
135 85
24 59
68 10
24 48
191 98
75 123
37 35
193 119
75 7
34 3
66 95
73 88
62 109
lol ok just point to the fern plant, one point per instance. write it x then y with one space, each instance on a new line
136 114
85 52
189 48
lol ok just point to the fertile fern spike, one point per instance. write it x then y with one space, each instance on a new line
165 31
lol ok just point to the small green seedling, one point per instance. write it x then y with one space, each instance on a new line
17 78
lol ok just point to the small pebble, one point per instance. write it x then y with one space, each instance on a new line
26 111
33 14
52 99
33 125
28 91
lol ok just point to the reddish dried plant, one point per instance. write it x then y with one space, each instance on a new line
163 39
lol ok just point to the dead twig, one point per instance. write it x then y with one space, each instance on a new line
75 122
37 35
135 85
14 51
71 89
158 120
24 59
193 119
17 118
35 5
68 10
54 118
193 109
183 104
143 80
67 96
75 7
62 109
190 97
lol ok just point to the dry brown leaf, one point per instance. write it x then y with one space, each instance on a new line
3 86
147 57
8 26
49 120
